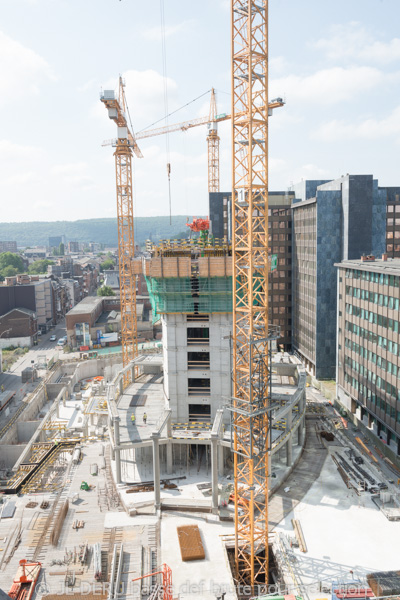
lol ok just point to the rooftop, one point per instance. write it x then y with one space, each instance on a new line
390 266
87 305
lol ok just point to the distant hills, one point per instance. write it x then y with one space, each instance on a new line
104 231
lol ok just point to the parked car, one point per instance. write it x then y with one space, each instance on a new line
53 338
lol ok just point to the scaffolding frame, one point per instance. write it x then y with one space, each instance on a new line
249 35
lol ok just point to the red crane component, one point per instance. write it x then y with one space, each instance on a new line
25 580
199 225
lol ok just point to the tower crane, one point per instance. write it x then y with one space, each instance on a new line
124 145
252 334
213 138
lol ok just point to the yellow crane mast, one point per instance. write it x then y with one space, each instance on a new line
124 145
251 331
213 147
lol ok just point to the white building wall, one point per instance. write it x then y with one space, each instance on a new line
177 374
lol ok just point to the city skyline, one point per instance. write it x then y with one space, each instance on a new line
336 67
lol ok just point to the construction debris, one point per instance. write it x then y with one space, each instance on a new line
299 535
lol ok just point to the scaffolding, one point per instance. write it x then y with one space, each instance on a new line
189 295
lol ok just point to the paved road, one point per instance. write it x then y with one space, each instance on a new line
12 378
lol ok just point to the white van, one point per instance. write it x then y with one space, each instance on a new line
61 342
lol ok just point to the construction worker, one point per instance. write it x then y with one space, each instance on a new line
144 418
133 418
2 388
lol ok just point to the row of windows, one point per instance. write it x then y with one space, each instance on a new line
375 379
373 398
381 278
391 207
382 342
379 299
372 317
381 362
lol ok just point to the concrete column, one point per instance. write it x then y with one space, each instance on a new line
289 446
214 472
121 386
117 452
133 374
220 460
169 444
169 458
155 436
300 432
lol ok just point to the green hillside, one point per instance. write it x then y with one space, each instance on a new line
104 231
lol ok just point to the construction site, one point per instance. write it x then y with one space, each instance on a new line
210 469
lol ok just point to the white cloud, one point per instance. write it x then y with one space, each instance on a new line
371 128
329 86
10 151
21 70
277 64
87 85
153 34
69 169
353 41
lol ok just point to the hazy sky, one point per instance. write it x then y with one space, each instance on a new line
337 64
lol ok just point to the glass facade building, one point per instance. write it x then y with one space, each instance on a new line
368 351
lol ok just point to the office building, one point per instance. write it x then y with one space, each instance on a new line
392 221
332 221
368 357
8 247
280 245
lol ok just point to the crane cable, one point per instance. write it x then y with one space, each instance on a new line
164 68
174 111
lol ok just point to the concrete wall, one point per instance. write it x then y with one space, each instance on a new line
17 341
26 429
176 373
10 454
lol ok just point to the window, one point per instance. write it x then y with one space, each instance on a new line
198 335
198 386
199 412
198 360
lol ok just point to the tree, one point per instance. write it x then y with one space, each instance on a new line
105 290
10 264
107 265
40 266
9 271
61 249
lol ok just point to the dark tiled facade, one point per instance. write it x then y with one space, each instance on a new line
280 282
392 199
368 360
344 220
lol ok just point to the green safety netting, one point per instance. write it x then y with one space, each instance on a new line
186 295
